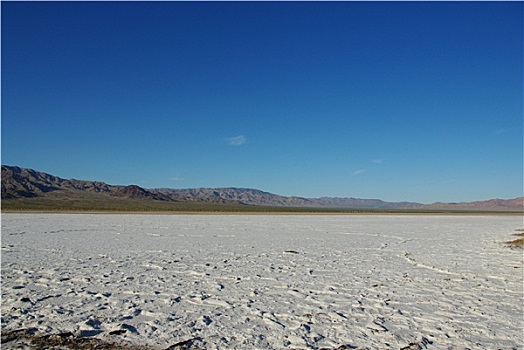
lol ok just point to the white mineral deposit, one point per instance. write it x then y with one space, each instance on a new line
264 281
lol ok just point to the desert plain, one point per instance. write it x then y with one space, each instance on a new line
262 281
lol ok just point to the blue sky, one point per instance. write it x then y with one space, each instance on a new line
418 101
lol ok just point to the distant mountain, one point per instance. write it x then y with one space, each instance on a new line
137 192
336 202
28 183
515 204
238 195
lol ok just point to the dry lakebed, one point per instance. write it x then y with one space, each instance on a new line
133 281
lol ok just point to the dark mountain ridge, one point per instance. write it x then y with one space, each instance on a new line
19 182
28 183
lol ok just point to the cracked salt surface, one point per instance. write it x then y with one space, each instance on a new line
265 281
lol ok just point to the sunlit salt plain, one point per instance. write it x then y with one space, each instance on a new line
266 281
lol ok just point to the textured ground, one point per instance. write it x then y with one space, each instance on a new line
261 281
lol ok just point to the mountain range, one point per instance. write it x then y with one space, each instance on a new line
18 183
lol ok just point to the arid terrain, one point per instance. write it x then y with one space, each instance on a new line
261 281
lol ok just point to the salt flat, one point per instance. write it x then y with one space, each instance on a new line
265 281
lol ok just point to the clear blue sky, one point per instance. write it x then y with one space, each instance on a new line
418 101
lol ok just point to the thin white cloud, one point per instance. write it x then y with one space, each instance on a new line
358 172
174 178
501 131
236 140
377 160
